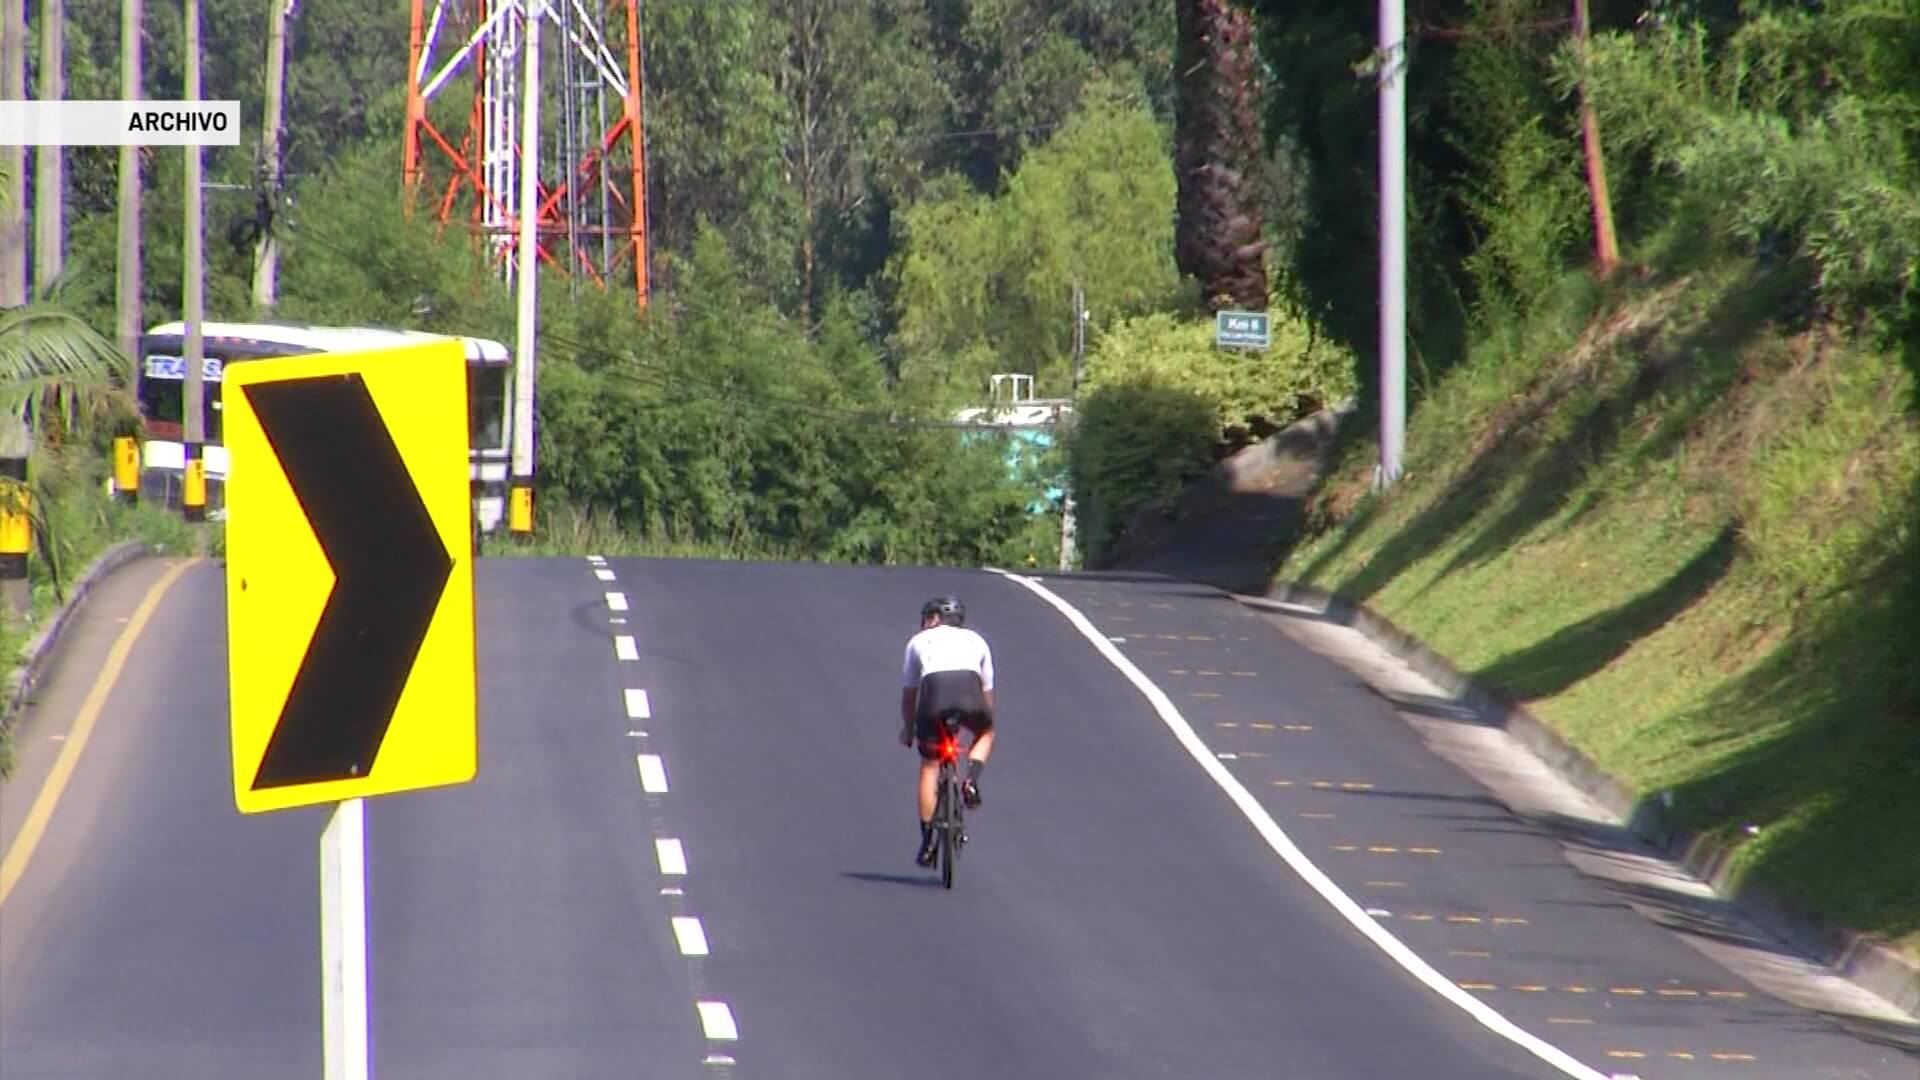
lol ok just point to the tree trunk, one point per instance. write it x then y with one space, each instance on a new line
1218 239
13 159
49 189
1606 249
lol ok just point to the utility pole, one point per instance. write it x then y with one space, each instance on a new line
1606 248
1079 365
50 184
13 159
127 266
1393 244
520 497
266 253
194 487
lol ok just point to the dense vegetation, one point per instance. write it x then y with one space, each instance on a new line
1675 509
859 210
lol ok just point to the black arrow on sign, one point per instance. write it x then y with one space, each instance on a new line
389 568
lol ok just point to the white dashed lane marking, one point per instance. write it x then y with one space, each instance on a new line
603 574
638 707
617 601
717 1020
693 939
653 774
624 648
673 857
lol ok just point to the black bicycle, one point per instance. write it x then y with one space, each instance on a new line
949 805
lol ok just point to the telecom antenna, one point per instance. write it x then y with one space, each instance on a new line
590 164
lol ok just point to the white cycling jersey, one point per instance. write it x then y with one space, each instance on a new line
947 648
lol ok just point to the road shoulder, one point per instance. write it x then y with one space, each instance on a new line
1595 839
42 727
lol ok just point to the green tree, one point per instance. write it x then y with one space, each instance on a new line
1220 240
985 283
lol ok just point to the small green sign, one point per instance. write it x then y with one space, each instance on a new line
1242 328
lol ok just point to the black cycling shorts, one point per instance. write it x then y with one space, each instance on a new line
949 693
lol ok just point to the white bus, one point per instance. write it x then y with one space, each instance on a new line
162 382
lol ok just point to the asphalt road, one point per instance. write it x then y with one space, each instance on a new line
715 878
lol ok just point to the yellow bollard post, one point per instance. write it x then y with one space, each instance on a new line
193 501
16 533
126 468
520 509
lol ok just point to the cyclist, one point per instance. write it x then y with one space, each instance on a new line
948 671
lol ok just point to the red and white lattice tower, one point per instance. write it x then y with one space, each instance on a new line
591 157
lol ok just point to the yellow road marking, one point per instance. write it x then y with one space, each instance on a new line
1625 1054
1226 723
1345 847
1246 674
1198 637
1678 993
1727 993
1508 920
1206 673
1629 991
1463 918
1681 1054
1316 817
1323 784
1424 850
1261 726
1387 884
1478 986
1577 989
1733 1057
1476 953
1568 1020
1382 849
1204 694
1530 988
1177 671
1299 727
1283 783
28 838
1420 918
1355 785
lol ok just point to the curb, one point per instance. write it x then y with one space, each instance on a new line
40 651
1873 966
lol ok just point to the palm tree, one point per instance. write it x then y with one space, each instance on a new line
57 374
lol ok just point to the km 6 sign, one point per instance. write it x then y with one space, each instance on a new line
350 611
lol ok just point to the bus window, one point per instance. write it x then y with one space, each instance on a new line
161 400
487 407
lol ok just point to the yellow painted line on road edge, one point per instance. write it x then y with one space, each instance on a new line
29 836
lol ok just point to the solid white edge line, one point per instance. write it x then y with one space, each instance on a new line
616 601
1282 845
624 648
717 1020
672 856
691 935
653 773
638 707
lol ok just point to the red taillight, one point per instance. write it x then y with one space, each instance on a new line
949 749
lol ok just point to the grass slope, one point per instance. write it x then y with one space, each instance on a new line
1686 532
